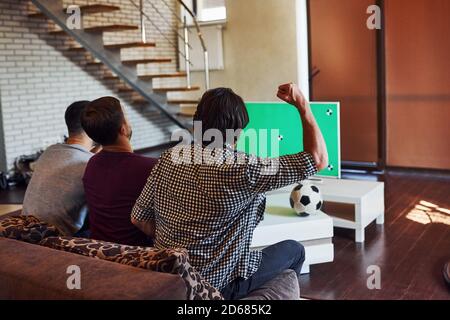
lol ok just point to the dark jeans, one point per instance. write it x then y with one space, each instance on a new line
84 232
288 254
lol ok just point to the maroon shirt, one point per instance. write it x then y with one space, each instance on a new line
112 183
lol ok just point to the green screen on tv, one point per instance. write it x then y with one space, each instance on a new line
279 131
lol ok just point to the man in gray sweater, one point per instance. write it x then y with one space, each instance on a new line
55 193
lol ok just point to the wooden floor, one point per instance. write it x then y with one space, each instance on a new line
410 249
8 208
14 195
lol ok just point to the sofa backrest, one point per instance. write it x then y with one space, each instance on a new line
30 271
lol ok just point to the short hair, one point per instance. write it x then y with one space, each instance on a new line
72 117
102 120
221 109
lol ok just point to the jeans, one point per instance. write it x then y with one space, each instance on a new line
288 254
84 232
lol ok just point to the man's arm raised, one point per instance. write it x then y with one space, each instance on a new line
313 141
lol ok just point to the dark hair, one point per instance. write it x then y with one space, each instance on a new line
221 109
102 120
73 117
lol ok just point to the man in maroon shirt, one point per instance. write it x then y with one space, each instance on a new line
115 177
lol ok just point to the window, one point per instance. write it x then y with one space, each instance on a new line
210 10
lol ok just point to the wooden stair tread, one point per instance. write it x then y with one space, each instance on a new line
93 63
129 45
186 114
76 49
36 15
176 89
190 103
89 8
188 111
150 60
96 8
140 100
104 28
124 89
162 75
112 28
181 101
110 77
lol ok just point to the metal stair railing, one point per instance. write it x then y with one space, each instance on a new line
145 17
202 41
93 42
184 37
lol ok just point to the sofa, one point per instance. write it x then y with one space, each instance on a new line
37 261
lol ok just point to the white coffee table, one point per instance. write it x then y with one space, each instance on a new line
353 204
281 223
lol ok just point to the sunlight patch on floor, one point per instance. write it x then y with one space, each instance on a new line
426 212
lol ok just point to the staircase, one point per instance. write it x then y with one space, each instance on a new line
125 72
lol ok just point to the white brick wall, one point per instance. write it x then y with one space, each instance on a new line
39 79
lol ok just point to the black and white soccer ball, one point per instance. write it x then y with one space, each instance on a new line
306 199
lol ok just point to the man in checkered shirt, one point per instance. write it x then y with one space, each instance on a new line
212 207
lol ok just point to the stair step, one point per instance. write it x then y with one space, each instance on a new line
76 49
162 75
105 28
110 77
112 28
176 89
97 8
124 89
142 61
183 101
94 63
150 77
36 15
188 111
186 114
86 9
130 45
140 100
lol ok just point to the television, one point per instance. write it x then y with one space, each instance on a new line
279 131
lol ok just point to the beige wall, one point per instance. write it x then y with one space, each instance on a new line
260 50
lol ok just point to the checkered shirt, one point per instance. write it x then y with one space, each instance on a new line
213 209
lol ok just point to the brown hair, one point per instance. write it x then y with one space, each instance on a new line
102 120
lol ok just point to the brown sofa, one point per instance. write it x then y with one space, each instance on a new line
31 271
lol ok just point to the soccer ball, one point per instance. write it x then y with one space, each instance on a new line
306 199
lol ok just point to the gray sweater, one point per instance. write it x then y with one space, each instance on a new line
55 193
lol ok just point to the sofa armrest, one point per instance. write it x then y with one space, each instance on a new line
31 271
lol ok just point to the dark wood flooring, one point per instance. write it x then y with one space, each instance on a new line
14 195
410 249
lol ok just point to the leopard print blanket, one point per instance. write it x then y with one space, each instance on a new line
27 228
175 261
